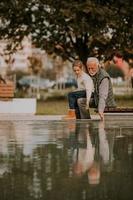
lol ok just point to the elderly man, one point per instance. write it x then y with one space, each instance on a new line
103 92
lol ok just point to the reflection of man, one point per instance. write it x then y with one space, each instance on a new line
103 92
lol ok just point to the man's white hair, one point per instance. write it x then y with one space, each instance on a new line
92 59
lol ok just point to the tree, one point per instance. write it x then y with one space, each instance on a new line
114 71
35 64
70 28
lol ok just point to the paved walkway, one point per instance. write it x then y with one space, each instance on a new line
31 117
14 117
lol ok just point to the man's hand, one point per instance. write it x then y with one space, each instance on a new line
101 114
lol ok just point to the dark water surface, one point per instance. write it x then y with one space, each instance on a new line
54 160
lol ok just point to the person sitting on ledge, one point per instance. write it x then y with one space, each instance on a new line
84 90
103 92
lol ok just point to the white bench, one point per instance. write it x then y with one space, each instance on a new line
11 105
18 106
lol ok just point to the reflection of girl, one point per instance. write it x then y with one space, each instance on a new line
84 161
85 157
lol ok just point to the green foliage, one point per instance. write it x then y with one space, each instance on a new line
70 28
53 107
114 71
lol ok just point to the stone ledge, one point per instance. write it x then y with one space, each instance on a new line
32 117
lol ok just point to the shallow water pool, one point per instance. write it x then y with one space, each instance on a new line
56 160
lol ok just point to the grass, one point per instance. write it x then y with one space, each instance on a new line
52 107
60 106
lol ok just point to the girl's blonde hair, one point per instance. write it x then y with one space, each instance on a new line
77 63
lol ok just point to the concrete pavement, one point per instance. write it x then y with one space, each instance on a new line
31 117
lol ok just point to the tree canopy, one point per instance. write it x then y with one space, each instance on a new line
70 28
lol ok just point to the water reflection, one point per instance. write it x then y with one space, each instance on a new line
86 159
65 160
96 155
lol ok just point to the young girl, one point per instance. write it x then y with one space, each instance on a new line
84 90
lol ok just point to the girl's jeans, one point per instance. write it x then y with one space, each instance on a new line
72 100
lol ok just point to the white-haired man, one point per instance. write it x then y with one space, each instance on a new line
103 91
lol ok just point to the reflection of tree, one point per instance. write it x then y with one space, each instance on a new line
119 184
